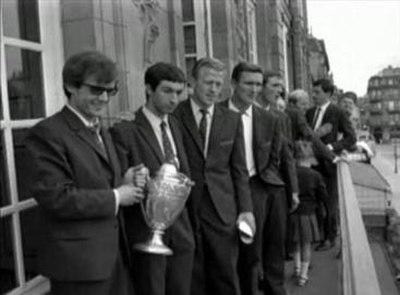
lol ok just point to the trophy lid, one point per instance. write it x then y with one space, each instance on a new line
167 169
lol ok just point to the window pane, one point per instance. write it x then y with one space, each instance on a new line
20 19
22 164
4 192
7 264
190 61
25 83
30 236
187 10
190 39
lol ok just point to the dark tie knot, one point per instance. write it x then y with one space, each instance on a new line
204 112
95 127
163 125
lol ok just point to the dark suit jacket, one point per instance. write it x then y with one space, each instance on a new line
224 170
73 187
136 143
267 143
340 123
287 164
302 131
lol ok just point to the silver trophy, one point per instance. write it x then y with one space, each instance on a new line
166 196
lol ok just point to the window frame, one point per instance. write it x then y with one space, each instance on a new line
51 50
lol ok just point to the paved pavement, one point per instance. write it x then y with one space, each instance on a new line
385 163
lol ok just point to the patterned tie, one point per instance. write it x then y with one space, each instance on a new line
95 131
315 119
203 127
169 156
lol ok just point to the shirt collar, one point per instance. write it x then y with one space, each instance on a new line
154 119
325 106
248 112
196 108
85 121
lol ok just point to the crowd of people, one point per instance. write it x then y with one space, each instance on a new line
257 158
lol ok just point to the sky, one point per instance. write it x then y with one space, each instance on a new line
362 37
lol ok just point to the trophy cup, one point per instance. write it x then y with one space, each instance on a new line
166 196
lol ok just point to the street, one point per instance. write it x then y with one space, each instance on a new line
384 161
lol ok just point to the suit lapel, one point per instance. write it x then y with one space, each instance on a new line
83 133
112 155
216 125
145 129
190 124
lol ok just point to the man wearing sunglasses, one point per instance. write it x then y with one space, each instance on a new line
78 186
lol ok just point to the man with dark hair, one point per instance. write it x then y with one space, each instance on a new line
328 120
287 192
220 199
154 138
78 185
348 101
262 148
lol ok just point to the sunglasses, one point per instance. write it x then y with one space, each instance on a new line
99 90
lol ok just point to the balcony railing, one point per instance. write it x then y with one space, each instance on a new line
358 270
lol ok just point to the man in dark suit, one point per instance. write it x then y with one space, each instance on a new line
262 137
328 120
152 139
220 199
78 185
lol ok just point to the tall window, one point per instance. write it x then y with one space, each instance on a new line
30 54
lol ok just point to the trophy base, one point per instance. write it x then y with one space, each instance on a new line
154 245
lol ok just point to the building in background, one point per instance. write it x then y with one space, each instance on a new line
384 103
37 36
318 59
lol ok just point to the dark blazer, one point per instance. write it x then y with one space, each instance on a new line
302 131
312 190
73 187
136 143
287 164
340 123
224 170
267 143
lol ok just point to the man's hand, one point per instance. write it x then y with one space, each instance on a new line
129 194
295 202
137 175
247 217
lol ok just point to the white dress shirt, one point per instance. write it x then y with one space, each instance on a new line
155 123
198 115
321 114
247 121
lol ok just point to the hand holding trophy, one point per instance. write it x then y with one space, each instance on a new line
166 195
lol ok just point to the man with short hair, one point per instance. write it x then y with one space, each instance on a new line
262 147
299 99
220 199
328 120
153 138
78 186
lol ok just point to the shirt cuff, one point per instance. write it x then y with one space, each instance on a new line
330 147
116 194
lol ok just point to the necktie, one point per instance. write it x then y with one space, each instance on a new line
169 156
203 127
95 131
315 119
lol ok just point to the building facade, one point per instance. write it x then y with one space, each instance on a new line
318 59
383 106
37 36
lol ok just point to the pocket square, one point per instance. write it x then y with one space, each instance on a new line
226 142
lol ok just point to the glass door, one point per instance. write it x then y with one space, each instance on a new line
30 75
